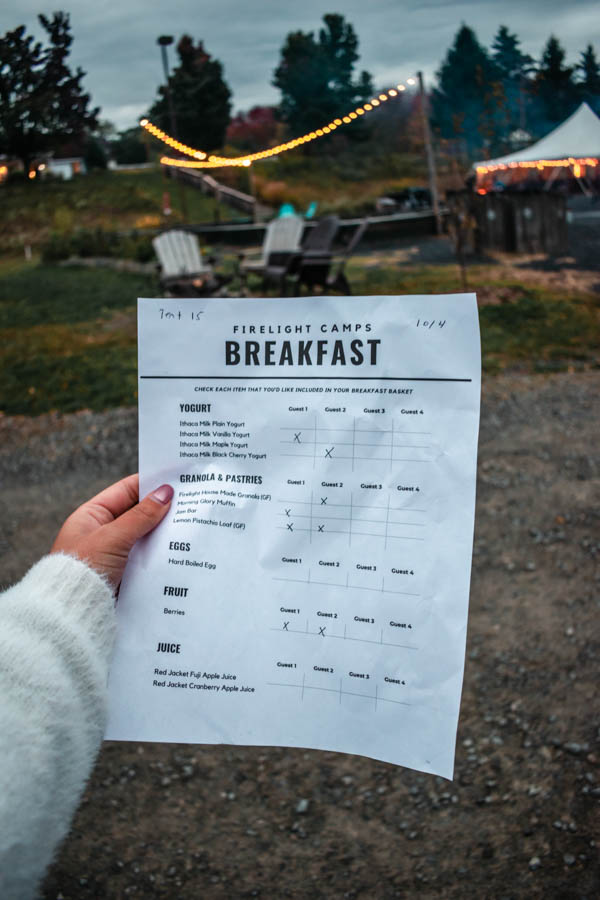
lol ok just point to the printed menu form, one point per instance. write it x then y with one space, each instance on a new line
309 585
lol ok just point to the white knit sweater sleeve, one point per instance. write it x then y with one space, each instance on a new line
56 635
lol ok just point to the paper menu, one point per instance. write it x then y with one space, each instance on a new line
309 586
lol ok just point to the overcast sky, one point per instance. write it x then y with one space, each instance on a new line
115 42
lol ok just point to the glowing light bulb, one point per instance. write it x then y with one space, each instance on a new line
360 111
353 115
337 121
383 97
393 93
410 81
401 87
143 122
368 107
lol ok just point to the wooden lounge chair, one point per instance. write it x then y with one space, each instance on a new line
316 268
320 238
283 236
281 266
183 271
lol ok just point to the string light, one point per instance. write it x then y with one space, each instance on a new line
202 161
171 141
540 164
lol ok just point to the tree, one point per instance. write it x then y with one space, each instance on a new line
315 77
41 101
129 148
201 98
513 68
253 130
589 86
556 93
94 153
465 103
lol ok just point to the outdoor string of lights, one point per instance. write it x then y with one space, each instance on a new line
578 165
201 160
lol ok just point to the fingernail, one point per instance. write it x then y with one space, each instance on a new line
163 494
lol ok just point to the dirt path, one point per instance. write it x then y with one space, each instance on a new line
520 818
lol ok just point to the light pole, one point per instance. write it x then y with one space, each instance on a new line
430 157
164 41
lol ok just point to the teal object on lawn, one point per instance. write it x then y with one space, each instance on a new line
312 208
286 209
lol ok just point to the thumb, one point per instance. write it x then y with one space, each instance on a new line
139 520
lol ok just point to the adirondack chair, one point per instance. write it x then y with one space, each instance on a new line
320 238
183 271
316 247
282 237
315 267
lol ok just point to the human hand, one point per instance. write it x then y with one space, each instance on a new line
102 531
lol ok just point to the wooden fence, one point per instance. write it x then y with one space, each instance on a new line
520 223
209 185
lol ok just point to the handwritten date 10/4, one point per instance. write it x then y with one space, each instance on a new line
430 323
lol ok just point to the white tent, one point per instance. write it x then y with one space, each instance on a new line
576 140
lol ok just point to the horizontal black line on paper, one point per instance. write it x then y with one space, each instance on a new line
344 637
351 587
347 519
354 506
298 378
353 533
385 459
302 428
357 444
309 687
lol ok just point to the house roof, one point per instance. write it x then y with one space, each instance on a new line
578 137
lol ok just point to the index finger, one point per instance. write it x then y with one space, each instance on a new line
119 497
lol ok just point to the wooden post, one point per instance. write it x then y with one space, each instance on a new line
430 157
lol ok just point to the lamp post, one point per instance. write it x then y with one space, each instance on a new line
164 41
430 157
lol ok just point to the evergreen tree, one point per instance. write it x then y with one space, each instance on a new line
465 103
42 102
589 86
315 77
128 148
201 98
555 90
513 68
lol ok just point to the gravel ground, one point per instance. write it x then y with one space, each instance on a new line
521 817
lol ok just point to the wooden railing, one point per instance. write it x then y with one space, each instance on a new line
221 192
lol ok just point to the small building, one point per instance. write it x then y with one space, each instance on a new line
63 168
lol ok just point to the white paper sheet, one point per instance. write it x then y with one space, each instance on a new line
309 587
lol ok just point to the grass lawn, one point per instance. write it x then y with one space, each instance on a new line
109 200
344 184
68 335
538 329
